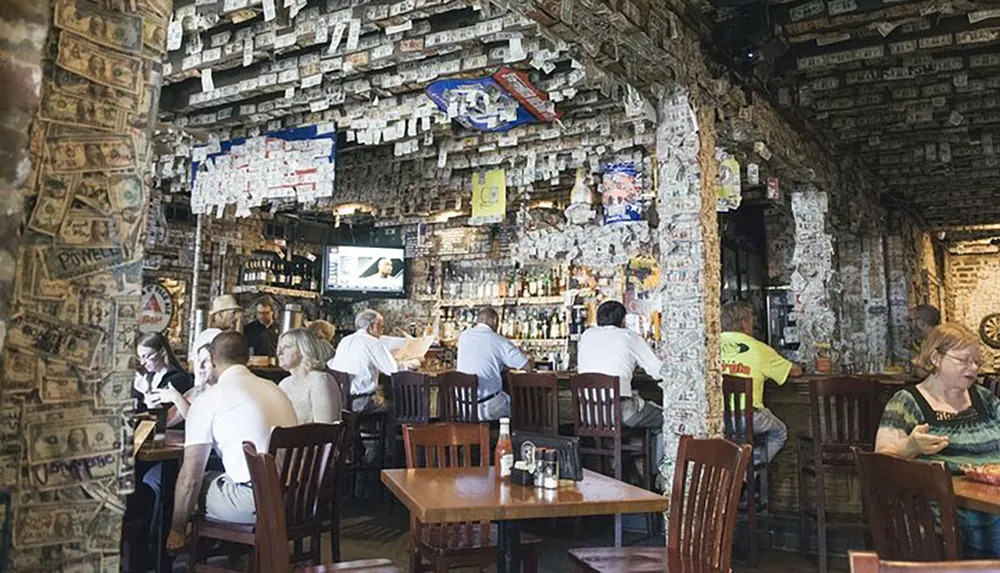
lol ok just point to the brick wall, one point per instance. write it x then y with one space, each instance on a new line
971 279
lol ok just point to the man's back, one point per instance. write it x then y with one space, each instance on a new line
483 352
240 407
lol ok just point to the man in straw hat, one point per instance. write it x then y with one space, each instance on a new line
226 313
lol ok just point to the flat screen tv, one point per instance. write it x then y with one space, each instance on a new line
353 270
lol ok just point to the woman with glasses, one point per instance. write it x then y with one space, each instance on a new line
158 369
950 418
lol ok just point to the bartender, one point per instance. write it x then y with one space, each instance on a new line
262 334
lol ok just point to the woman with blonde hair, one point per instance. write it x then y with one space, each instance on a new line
313 391
949 418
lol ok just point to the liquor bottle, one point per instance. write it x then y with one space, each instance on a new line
313 277
504 455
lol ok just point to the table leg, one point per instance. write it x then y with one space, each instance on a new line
509 542
165 509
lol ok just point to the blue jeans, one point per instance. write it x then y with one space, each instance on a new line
980 534
774 431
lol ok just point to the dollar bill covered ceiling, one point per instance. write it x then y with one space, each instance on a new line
911 88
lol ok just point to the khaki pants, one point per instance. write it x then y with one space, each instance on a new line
228 501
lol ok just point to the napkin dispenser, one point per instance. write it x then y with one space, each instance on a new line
570 466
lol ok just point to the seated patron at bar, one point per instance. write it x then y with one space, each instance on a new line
922 320
363 356
323 330
203 379
313 391
239 407
746 357
226 313
262 334
161 378
949 418
611 349
483 352
158 369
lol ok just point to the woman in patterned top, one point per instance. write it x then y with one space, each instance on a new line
948 418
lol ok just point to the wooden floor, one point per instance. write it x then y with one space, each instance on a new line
368 530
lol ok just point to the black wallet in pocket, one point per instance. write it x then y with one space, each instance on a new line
568 447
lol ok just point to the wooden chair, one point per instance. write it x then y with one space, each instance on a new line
344 381
911 508
843 416
534 402
307 456
737 418
868 562
704 503
411 403
469 544
992 383
597 421
458 397
271 531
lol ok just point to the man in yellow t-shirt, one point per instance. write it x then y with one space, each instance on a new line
747 357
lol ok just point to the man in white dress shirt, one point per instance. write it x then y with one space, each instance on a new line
611 349
483 352
363 356
239 407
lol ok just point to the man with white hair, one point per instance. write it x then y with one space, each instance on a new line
363 356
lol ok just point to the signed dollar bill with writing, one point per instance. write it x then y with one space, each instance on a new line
119 30
71 439
104 66
88 153
48 337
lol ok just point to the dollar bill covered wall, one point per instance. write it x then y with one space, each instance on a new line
66 388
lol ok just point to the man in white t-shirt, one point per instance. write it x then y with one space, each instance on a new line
483 352
363 356
613 350
240 407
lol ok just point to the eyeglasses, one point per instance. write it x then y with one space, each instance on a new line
977 362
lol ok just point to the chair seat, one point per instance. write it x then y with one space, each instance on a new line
363 566
636 560
235 532
456 538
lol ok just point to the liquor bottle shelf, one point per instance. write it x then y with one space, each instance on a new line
526 301
277 291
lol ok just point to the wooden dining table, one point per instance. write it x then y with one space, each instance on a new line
169 453
976 496
455 495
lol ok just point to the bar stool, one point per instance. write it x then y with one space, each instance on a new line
367 425
534 402
737 418
458 397
597 421
842 413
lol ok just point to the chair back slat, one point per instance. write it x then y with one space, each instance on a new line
271 530
869 562
707 483
344 381
737 409
534 402
411 397
307 457
911 508
458 397
448 445
597 409
843 413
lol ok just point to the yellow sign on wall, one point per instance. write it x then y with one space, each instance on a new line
489 197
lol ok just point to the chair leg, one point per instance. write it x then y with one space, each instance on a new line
803 499
821 519
751 497
193 548
529 562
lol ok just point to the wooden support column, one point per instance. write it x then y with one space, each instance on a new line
69 306
690 274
